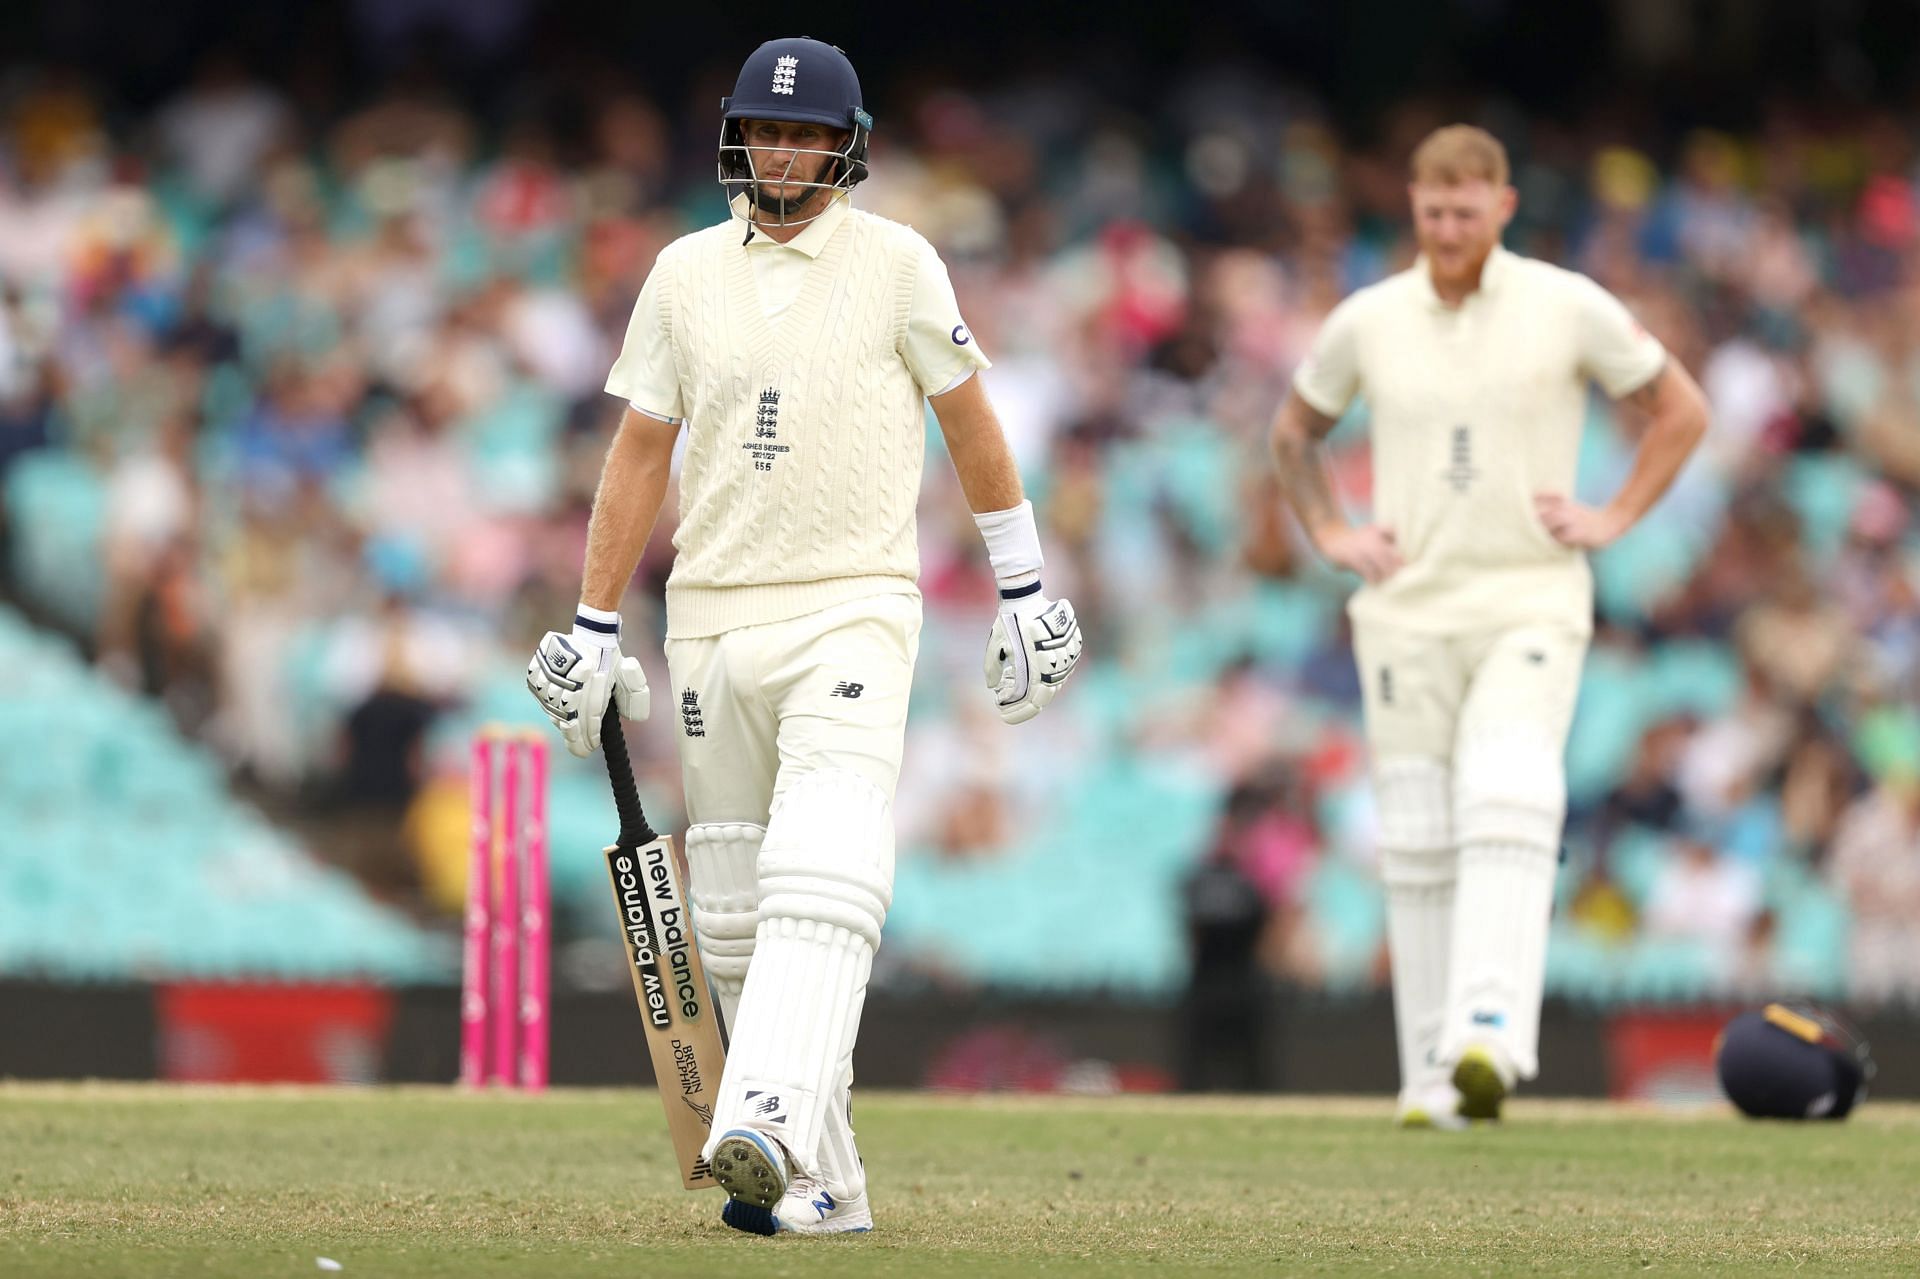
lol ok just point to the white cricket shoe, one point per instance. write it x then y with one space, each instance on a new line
752 1168
808 1208
1434 1106
1484 1077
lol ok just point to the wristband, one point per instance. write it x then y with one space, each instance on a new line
597 626
1013 548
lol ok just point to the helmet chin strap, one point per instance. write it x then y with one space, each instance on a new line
776 206
779 205
786 207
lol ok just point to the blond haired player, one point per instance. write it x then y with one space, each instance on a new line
798 343
1473 617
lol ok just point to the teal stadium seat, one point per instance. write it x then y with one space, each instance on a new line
1635 861
512 444
1823 490
1811 923
1694 677
1348 911
1615 707
123 856
1092 901
57 506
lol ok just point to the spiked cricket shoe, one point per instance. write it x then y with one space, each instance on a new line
809 1208
1484 1080
1434 1107
752 1169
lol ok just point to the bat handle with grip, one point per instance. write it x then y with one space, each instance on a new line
634 830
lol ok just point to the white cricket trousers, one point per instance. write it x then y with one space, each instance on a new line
811 712
761 706
1468 735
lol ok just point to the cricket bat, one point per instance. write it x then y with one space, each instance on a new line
676 1008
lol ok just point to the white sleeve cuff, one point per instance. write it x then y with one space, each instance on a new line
1013 546
658 417
958 378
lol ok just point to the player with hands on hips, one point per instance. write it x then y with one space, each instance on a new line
1366 550
1476 603
794 347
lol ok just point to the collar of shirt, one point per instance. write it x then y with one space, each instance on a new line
1493 273
813 236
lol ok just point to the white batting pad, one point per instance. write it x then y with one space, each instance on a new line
826 880
723 860
1509 803
1499 966
1414 799
1510 787
840 1165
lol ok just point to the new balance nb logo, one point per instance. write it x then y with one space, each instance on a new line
823 1205
844 689
764 1108
784 70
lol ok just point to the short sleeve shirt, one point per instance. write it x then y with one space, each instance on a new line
1473 410
939 350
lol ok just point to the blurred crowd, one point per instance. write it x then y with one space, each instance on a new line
326 385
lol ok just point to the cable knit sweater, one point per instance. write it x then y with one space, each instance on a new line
805 442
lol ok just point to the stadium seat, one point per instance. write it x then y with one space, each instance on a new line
56 506
124 857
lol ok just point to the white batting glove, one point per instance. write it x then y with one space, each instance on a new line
572 676
1032 649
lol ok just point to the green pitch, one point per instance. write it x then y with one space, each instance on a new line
115 1180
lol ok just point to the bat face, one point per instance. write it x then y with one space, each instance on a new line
670 983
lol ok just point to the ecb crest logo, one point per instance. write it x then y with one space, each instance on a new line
783 72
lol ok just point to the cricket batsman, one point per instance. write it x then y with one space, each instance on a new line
795 343
1476 603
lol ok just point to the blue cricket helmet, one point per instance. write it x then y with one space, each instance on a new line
797 79
802 80
1792 1061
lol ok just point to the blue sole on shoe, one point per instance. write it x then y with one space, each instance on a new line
745 1216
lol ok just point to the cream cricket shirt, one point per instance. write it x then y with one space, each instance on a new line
801 371
1473 411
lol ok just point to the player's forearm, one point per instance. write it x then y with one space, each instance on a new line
1304 476
981 459
987 474
1678 422
633 485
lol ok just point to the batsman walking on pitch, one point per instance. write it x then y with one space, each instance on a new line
1476 605
796 343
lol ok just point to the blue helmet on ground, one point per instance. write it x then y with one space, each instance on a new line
1792 1061
805 81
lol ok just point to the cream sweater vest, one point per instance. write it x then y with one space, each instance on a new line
805 441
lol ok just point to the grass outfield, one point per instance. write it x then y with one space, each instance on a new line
151 1180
